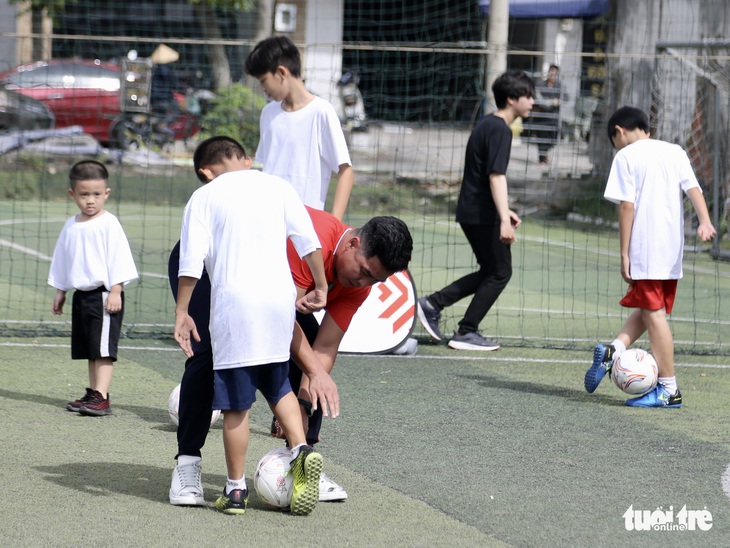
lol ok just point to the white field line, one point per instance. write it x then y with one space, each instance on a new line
39 255
379 356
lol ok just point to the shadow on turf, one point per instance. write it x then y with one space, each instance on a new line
542 390
102 479
149 414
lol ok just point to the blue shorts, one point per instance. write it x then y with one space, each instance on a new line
235 389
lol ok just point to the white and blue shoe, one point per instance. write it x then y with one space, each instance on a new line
658 397
602 359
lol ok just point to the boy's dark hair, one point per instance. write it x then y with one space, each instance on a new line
629 118
213 151
272 53
388 239
87 170
512 84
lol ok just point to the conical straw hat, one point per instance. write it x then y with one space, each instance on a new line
163 55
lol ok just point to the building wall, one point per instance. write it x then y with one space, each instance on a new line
8 22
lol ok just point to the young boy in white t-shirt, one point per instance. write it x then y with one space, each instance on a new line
237 226
646 180
301 138
92 256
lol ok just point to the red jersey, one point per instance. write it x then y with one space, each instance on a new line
342 302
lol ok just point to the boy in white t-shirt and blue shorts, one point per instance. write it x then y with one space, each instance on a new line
647 180
237 226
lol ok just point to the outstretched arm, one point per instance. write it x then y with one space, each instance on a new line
345 182
317 298
705 231
184 324
508 219
625 224
317 385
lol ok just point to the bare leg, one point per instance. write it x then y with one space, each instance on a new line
289 416
235 442
103 371
92 374
661 340
633 328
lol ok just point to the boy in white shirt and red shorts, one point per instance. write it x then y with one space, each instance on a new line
647 180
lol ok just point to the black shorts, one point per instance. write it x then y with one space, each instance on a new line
94 332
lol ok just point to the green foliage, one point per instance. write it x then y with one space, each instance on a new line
235 113
54 7
242 5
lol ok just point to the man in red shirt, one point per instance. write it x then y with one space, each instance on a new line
354 260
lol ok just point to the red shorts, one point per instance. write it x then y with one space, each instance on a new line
651 295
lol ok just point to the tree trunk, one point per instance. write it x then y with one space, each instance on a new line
216 52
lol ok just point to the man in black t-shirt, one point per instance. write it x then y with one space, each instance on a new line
484 215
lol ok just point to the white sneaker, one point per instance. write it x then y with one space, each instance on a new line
329 490
187 487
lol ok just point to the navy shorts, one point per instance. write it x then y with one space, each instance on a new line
94 332
235 389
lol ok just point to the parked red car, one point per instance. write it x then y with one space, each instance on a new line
79 92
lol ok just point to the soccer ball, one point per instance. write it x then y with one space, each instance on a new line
635 372
173 405
272 480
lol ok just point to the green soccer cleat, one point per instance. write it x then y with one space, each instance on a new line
234 502
305 469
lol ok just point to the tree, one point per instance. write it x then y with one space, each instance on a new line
206 12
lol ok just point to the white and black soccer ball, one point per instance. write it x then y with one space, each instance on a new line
173 406
272 480
635 371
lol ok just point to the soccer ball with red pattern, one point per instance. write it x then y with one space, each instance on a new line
272 480
635 372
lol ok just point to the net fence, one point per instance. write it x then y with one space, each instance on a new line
421 70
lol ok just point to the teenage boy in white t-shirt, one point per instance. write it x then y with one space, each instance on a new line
646 180
237 226
301 138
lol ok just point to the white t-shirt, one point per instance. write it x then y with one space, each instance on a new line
237 225
304 147
91 254
652 175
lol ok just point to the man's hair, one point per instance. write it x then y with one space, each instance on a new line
87 170
388 239
512 84
629 118
213 151
272 53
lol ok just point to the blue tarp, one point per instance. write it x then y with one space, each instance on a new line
552 8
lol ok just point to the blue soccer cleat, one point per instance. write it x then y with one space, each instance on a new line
602 356
658 397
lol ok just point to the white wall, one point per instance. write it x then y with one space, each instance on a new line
323 53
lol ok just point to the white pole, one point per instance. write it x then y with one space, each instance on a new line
497 45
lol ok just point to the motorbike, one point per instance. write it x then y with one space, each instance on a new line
160 129
352 107
157 129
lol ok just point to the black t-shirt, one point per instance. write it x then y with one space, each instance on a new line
487 152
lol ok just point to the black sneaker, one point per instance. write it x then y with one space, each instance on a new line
234 502
97 406
472 341
429 318
77 404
